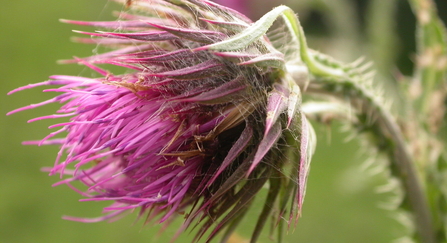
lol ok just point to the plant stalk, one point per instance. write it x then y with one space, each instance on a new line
386 128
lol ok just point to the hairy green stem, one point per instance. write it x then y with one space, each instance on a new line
348 82
384 127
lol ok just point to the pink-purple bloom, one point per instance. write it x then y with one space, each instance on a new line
186 129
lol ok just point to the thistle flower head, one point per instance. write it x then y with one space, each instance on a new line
197 124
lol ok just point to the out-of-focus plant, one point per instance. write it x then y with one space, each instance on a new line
214 107
415 106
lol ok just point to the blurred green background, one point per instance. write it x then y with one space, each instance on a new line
341 204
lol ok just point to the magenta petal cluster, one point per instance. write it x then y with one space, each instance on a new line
185 130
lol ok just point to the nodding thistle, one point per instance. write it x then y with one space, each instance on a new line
205 115
208 113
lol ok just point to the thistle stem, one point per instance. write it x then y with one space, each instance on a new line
385 128
334 79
